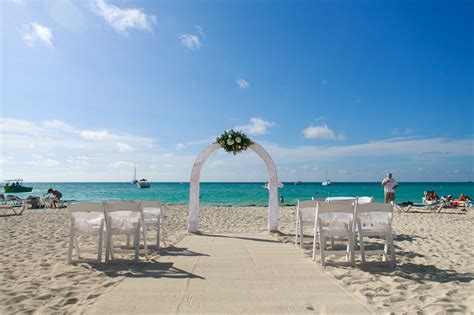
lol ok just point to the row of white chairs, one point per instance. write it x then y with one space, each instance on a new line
341 220
107 219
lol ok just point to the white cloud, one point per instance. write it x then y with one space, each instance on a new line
123 19
119 164
124 147
256 126
33 32
98 135
180 146
43 162
200 31
18 2
241 83
58 125
321 132
406 132
190 41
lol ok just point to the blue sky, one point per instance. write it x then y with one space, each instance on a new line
348 88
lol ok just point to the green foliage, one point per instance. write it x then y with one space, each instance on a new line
234 141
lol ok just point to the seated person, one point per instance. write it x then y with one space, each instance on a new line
56 197
463 197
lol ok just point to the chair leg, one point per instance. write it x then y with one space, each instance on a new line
145 244
158 230
322 247
352 238
385 248
71 245
362 250
393 259
332 242
101 241
301 235
78 253
137 242
107 246
297 230
128 241
315 237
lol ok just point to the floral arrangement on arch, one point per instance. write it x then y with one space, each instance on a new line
234 141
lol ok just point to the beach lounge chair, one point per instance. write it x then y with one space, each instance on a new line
124 218
375 220
334 220
86 219
433 206
348 200
363 200
305 211
153 216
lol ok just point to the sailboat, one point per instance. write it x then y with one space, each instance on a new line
134 180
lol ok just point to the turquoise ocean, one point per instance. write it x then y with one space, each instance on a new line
239 194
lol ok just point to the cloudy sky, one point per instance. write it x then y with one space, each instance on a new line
347 88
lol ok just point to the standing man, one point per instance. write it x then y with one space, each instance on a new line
389 185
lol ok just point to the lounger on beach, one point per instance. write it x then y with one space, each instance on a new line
86 219
336 221
153 216
348 200
364 200
434 206
305 211
375 220
124 218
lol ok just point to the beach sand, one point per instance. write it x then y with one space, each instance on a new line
434 274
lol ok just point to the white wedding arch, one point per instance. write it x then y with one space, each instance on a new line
193 223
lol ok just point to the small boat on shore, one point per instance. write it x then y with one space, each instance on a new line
15 186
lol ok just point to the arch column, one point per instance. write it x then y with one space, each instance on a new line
194 186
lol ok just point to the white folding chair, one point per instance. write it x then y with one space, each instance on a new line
305 211
334 220
86 219
153 216
375 220
364 200
124 218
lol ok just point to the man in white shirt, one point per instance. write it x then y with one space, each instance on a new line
389 185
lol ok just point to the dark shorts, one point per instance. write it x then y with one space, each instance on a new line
389 196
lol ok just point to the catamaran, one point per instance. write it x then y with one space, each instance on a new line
142 183
327 182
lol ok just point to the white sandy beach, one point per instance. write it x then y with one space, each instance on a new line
435 252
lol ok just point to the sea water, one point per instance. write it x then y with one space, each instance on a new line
240 194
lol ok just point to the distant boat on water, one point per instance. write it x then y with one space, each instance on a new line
142 183
327 182
298 182
15 186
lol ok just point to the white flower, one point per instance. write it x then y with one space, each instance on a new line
239 147
230 141
230 136
238 139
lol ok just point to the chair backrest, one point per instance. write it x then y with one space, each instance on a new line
122 214
130 206
150 204
335 214
85 207
375 215
151 209
348 200
306 210
364 200
85 216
